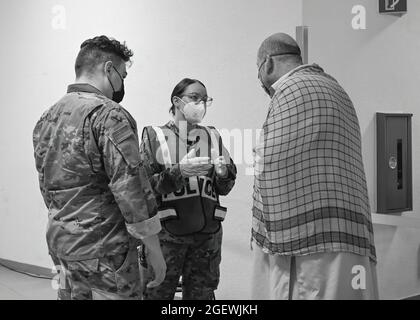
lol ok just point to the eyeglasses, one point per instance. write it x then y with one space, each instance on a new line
197 99
275 55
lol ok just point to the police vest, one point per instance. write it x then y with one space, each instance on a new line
195 208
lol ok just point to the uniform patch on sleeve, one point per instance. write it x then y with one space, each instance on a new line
122 132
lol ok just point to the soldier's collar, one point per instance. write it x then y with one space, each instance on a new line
83 87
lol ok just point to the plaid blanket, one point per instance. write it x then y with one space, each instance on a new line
310 192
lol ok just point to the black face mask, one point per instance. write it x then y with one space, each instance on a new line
117 96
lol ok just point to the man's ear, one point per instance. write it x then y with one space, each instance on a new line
107 67
269 65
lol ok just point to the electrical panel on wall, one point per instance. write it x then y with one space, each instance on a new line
394 163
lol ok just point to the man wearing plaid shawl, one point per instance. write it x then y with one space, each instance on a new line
311 214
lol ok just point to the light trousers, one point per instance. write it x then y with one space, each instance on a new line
321 276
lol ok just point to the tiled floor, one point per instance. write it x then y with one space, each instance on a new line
16 286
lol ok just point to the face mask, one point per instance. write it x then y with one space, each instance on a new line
194 113
265 88
117 96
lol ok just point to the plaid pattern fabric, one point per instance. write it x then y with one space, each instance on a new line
310 192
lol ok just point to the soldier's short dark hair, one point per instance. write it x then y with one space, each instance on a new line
99 50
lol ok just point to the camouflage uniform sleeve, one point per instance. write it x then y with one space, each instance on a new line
119 144
163 181
39 152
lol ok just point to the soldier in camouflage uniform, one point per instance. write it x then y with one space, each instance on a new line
189 168
99 199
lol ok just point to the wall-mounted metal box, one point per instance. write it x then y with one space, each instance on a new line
394 163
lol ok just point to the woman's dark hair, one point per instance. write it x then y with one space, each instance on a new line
180 89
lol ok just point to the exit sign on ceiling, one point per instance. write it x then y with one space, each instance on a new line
393 6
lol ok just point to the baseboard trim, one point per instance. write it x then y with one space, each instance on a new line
27 268
417 297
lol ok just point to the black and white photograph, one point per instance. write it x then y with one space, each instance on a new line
236 152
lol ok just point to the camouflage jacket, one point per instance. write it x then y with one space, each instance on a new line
91 178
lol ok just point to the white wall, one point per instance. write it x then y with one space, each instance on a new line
379 68
213 40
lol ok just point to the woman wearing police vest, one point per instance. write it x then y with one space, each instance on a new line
189 169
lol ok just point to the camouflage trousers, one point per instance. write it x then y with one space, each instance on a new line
63 291
197 259
109 278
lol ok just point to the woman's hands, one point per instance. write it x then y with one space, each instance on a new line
192 166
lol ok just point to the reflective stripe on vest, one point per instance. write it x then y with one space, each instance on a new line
214 142
166 155
167 213
193 189
219 213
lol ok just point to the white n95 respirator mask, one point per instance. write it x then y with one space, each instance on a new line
194 113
